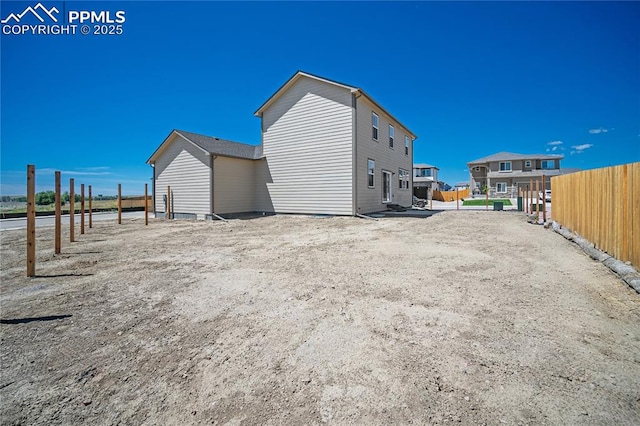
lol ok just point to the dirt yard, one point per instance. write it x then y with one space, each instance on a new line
469 317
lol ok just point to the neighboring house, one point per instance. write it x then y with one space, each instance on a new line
327 148
461 185
504 173
425 180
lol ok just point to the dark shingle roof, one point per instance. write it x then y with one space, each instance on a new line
508 156
224 147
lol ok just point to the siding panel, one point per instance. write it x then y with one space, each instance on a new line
234 188
307 137
186 169
370 199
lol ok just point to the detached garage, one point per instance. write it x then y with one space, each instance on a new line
207 175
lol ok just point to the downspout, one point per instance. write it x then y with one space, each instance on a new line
211 205
153 188
354 100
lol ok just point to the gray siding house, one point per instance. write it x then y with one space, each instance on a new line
503 173
327 148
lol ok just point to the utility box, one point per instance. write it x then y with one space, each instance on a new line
520 205
498 206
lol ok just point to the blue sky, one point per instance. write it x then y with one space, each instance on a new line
470 79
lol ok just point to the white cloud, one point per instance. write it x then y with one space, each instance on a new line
578 149
94 169
548 150
598 131
554 148
74 172
553 143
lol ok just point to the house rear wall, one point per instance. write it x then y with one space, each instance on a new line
234 189
186 169
307 140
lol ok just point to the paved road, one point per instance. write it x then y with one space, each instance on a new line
21 223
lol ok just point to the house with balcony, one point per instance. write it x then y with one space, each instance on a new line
425 181
504 173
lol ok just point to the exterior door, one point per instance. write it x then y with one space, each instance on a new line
386 187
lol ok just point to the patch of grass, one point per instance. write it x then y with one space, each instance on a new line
480 202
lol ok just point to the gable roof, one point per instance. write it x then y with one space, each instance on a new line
509 156
300 74
213 145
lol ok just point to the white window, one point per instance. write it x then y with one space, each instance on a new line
374 125
548 164
371 170
476 169
505 166
527 163
403 179
501 187
406 145
392 134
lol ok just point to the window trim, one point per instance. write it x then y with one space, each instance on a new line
527 163
505 163
505 187
406 145
371 172
375 127
392 136
403 179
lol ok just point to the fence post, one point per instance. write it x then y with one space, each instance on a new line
537 198
58 221
146 205
168 202
90 208
72 211
626 255
82 208
544 199
31 220
486 199
457 200
119 204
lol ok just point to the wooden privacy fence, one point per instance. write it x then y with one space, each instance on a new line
138 201
602 206
450 195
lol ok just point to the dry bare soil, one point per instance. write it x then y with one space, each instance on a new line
471 317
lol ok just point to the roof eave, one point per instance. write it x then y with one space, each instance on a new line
161 148
295 77
366 95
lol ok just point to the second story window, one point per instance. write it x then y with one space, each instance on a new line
392 135
548 164
374 126
505 166
527 164
406 145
